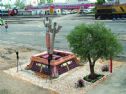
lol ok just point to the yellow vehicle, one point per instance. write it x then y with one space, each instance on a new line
110 11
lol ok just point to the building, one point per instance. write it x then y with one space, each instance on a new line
74 1
31 2
36 2
86 1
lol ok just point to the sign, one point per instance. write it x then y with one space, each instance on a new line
51 9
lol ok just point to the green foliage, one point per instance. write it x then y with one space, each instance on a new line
1 4
50 1
100 1
7 6
94 10
42 1
93 41
19 4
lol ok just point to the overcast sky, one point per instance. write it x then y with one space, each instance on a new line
63 1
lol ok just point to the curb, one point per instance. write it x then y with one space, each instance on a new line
32 16
93 85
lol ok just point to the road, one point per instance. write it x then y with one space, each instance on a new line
118 28
30 32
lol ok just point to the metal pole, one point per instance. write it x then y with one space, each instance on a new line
49 66
110 67
17 57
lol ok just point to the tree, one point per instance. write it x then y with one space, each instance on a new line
19 4
42 1
93 41
49 1
7 6
100 1
1 4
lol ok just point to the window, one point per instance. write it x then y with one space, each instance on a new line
69 62
38 64
63 65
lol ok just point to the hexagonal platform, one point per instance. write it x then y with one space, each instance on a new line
62 62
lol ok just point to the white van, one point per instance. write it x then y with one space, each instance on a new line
89 9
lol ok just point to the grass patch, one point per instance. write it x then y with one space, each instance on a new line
98 76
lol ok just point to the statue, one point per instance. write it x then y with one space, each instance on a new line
54 30
50 39
47 22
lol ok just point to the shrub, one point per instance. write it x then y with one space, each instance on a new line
81 83
105 68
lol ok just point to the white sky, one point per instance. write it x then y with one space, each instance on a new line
60 1
63 1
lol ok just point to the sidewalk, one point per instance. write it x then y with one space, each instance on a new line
65 84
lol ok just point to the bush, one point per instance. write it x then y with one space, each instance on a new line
80 83
105 68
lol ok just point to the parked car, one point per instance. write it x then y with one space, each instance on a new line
65 12
73 12
8 12
88 10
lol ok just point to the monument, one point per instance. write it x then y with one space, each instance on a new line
52 62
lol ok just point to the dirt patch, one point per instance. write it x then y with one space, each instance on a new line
8 56
8 60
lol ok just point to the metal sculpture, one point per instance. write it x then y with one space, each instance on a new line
52 62
50 39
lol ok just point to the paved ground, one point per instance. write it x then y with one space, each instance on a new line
12 85
64 84
30 33
116 84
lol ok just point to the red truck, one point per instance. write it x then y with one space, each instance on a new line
8 12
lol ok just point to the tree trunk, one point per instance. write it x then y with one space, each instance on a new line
92 73
91 64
